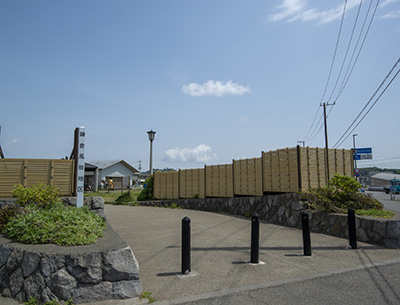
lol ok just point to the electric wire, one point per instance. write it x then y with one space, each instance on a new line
334 53
312 125
347 51
348 131
311 136
348 74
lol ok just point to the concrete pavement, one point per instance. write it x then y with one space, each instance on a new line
221 251
221 273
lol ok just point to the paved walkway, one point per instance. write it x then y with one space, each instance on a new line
221 273
221 251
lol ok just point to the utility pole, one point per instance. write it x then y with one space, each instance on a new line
1 151
304 143
326 142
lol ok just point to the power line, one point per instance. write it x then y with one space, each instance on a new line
334 53
348 132
347 50
348 74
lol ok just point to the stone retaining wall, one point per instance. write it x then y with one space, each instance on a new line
88 277
286 209
105 270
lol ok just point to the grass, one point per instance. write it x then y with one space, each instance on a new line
112 196
375 213
147 295
64 226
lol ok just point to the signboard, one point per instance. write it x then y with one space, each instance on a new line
80 185
362 153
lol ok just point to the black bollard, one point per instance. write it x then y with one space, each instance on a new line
185 245
255 239
306 234
351 216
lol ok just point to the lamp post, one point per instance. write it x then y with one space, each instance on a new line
354 151
151 135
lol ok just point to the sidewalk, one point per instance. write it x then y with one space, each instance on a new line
221 251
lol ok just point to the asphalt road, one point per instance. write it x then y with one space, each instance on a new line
390 205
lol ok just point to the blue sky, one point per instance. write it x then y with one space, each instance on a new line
217 80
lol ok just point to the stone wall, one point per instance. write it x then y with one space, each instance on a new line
88 277
105 270
286 209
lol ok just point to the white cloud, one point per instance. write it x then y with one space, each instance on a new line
215 88
387 2
288 8
294 10
392 15
200 154
13 142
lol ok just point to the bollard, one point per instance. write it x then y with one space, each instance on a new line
255 239
351 216
185 245
306 234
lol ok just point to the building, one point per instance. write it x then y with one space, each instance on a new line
382 179
98 173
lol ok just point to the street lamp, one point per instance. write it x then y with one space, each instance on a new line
354 151
151 134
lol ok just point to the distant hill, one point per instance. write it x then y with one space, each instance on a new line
159 170
366 171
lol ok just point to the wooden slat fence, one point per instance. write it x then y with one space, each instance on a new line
279 171
28 172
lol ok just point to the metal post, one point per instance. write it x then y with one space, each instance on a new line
306 234
255 239
352 228
185 245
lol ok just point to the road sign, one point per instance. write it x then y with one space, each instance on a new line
362 153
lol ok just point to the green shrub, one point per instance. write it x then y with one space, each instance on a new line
148 192
41 194
65 226
6 214
127 198
341 193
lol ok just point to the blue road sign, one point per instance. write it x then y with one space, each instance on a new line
362 151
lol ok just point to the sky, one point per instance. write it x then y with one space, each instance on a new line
217 80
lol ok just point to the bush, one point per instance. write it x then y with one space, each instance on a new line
41 194
65 226
341 193
148 192
125 198
6 214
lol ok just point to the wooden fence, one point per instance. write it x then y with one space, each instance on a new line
28 172
280 171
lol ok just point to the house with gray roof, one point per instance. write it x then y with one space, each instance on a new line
120 172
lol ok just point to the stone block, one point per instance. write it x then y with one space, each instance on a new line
30 263
14 260
379 227
16 282
392 230
362 235
120 265
34 286
94 203
92 293
51 263
85 268
4 254
3 278
61 284
127 289
391 243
